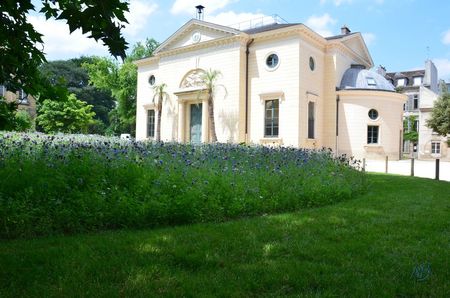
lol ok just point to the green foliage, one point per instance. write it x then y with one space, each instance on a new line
142 50
13 120
7 114
121 81
399 89
371 246
410 132
70 116
22 46
23 121
210 79
72 76
440 115
159 94
69 184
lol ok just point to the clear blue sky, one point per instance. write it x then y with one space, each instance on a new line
396 32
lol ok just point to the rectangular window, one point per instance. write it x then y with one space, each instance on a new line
372 134
416 125
23 97
416 101
406 145
150 123
435 148
271 118
401 82
417 81
311 120
371 82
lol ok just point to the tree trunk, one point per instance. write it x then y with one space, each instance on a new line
158 126
212 123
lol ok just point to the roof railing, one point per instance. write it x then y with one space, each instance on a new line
259 22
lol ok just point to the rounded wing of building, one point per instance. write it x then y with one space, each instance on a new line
357 77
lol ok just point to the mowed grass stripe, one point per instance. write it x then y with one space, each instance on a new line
367 246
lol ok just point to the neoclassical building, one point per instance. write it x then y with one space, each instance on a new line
281 84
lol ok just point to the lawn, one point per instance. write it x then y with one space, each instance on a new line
392 241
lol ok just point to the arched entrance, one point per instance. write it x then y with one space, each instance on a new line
193 109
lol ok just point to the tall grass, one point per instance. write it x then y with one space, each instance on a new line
68 183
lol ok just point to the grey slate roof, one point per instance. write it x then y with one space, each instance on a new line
357 77
268 28
408 75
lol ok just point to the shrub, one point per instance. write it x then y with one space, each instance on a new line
68 183
23 121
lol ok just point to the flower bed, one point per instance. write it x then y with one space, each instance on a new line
71 183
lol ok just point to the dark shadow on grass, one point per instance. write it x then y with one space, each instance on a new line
364 247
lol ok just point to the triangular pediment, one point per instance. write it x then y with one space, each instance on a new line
194 32
356 43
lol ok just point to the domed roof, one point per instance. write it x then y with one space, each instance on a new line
357 77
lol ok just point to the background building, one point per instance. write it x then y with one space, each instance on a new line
25 102
422 89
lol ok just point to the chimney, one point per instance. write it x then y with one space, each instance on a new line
200 14
345 30
381 70
431 76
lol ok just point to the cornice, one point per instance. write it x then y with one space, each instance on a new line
146 61
204 45
368 92
336 45
300 29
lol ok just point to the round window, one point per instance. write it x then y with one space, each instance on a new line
312 63
373 114
152 80
272 61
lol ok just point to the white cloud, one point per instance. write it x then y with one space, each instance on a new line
443 66
188 6
138 16
446 37
321 24
245 20
60 44
369 38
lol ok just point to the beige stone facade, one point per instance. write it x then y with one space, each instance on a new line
25 102
281 87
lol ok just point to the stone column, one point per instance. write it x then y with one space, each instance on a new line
181 121
205 121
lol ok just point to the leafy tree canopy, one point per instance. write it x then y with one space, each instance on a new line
69 116
70 74
440 115
22 46
121 81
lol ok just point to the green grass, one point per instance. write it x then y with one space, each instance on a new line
364 247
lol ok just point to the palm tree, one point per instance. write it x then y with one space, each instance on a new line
210 78
159 94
